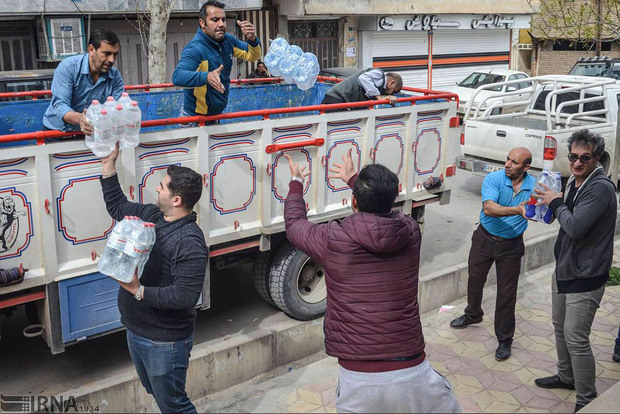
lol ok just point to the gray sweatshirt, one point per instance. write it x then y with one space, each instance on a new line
584 247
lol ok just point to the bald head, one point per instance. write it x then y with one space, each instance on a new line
517 163
523 152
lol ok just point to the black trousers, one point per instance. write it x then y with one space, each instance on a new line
507 254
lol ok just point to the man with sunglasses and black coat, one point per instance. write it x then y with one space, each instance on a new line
583 252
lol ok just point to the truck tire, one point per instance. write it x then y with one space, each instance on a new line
262 268
260 275
297 284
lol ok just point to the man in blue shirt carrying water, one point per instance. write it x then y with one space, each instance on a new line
499 239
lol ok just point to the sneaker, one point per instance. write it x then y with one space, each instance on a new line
503 351
616 355
463 321
553 381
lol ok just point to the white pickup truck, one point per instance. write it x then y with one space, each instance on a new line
556 107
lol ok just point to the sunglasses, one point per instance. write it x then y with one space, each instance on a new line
583 158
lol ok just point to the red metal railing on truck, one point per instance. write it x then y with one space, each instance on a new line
201 120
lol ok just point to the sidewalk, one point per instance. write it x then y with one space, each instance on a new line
465 357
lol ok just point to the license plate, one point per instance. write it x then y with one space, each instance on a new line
492 167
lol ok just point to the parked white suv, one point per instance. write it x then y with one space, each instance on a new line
466 88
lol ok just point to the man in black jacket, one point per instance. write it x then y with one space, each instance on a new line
158 309
365 85
583 254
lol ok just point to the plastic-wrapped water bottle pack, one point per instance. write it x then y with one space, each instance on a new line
128 248
542 212
113 121
292 63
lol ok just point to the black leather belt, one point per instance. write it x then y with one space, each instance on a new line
496 238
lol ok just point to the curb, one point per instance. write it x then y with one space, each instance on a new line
219 364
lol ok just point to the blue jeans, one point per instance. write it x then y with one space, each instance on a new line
162 369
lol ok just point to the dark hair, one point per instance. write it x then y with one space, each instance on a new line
397 78
185 183
103 35
203 9
260 62
587 139
375 189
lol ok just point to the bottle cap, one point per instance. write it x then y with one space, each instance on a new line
110 98
134 103
124 94
119 107
95 102
104 111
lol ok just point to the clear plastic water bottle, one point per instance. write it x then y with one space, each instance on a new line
134 121
271 61
103 139
109 104
145 240
127 249
124 100
119 123
91 115
289 61
276 51
542 212
306 72
92 111
114 261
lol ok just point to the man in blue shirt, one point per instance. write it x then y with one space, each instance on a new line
499 239
80 79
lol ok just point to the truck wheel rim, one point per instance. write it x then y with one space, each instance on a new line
311 282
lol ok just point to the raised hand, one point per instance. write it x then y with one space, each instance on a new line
213 79
109 163
247 29
295 170
346 170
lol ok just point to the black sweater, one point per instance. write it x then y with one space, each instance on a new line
172 277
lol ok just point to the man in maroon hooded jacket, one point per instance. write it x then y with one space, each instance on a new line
372 320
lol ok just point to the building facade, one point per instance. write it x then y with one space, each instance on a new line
561 39
38 34
432 44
